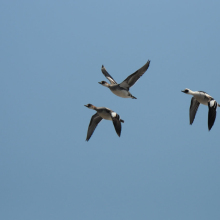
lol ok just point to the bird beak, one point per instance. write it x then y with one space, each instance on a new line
100 83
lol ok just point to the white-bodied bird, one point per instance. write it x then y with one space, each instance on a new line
200 97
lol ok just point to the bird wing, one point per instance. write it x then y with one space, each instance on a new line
193 109
212 113
92 125
116 123
132 79
108 76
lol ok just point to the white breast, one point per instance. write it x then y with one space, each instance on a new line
105 115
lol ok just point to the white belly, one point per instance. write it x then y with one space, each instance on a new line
202 99
105 115
121 93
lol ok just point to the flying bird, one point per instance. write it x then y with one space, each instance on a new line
200 97
103 113
122 89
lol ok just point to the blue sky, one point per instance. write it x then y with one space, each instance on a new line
160 167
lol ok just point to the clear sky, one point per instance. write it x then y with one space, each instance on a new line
51 53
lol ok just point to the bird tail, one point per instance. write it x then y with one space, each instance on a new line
133 97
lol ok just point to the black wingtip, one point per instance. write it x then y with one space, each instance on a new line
191 122
119 133
210 126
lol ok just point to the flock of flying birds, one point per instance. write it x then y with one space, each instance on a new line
122 90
